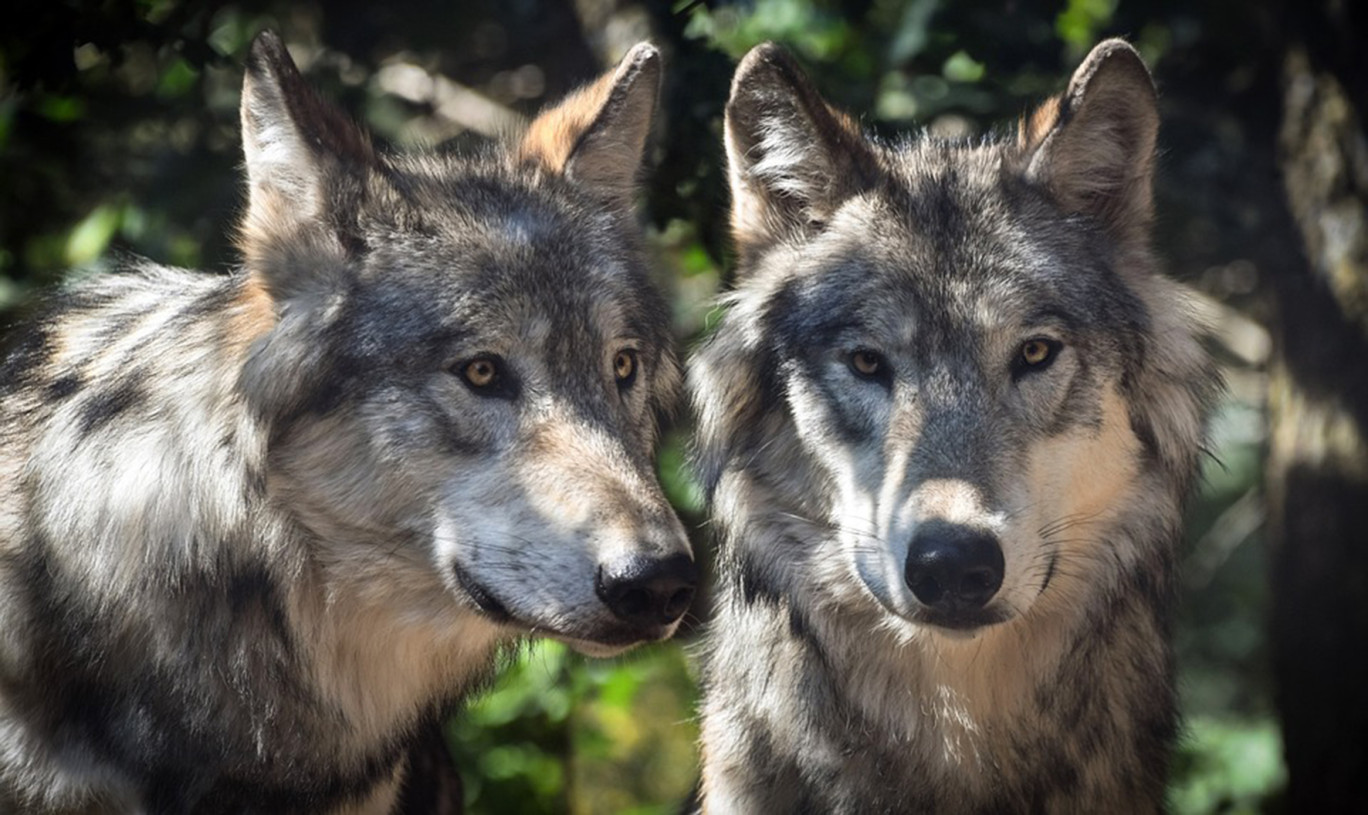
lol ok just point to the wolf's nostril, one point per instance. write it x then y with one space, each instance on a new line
648 592
927 589
679 602
633 603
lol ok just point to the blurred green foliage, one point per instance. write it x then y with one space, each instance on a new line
118 136
1231 765
560 733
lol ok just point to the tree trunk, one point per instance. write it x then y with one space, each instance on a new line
1318 452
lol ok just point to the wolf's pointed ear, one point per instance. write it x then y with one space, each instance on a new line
597 135
1093 147
792 159
306 164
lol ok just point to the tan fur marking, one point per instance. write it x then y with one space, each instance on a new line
601 478
552 137
251 315
1033 128
268 219
379 666
1092 469
949 499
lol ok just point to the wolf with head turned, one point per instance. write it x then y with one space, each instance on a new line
947 425
259 531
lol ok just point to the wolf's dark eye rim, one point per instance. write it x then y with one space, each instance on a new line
625 365
1036 354
868 364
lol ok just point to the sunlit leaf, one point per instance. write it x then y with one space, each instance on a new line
89 239
176 79
1227 765
1081 20
961 67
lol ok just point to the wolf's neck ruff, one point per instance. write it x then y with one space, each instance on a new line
947 427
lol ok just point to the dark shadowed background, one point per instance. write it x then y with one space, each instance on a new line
118 134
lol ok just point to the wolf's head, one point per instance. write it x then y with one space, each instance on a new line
462 362
957 359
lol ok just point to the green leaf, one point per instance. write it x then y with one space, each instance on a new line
177 79
1227 765
961 67
89 239
1079 23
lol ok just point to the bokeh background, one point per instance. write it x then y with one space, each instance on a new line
118 136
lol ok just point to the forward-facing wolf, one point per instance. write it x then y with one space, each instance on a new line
258 530
946 426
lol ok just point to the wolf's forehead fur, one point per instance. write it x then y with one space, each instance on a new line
458 249
951 245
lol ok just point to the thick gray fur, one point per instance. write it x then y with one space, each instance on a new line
259 531
828 686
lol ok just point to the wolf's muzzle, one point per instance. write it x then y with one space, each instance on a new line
648 592
953 569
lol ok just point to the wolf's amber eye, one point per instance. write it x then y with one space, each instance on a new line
625 366
487 375
1034 352
481 373
866 363
1036 355
871 366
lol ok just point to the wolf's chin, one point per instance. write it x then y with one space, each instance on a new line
609 642
597 650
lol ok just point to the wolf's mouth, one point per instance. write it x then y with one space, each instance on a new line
962 621
486 602
592 642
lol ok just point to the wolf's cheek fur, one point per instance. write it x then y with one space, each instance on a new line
1078 483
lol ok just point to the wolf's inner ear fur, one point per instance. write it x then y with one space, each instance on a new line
1093 147
304 159
792 159
597 135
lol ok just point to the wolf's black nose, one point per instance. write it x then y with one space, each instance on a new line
648 592
952 567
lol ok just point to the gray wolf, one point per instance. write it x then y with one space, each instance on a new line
258 531
947 424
